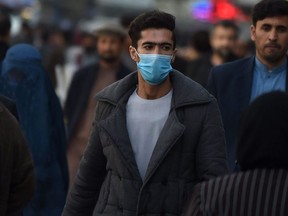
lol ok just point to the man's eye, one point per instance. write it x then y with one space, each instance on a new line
166 47
266 28
282 29
148 47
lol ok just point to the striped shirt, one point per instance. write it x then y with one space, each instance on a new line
252 193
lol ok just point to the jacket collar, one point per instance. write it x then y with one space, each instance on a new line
185 90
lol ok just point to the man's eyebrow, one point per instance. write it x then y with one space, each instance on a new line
266 24
277 26
154 43
281 26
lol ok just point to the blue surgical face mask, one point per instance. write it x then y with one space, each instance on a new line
154 68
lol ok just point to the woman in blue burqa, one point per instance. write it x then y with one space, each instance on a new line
24 80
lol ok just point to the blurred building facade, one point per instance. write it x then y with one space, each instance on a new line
182 9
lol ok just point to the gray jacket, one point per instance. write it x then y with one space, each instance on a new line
190 149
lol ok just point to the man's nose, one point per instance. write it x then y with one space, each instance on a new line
273 35
157 49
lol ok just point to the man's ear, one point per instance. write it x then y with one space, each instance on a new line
174 55
252 32
133 54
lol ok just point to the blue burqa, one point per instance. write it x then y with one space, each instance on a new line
24 80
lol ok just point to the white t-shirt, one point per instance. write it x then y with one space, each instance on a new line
145 121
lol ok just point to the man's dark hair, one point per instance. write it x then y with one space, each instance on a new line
5 24
227 24
269 8
153 19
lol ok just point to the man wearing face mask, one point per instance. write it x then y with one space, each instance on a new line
156 134
80 103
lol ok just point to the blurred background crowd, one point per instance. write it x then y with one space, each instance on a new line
83 46
63 30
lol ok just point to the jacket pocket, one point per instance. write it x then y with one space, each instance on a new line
104 194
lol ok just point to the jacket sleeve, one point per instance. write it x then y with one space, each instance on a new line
22 185
211 155
92 171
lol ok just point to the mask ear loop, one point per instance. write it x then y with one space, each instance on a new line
172 58
135 51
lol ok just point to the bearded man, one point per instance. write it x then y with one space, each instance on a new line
237 84
86 83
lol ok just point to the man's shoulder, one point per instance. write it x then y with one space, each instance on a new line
83 71
116 90
233 67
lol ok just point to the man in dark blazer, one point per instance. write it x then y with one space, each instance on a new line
238 83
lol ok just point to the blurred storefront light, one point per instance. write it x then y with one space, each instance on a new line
129 3
30 14
213 10
201 10
247 2
27 13
225 10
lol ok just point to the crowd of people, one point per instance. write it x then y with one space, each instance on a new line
125 123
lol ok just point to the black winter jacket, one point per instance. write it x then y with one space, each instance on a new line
17 177
190 149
